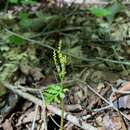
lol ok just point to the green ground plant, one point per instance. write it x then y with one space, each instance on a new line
56 93
108 12
22 1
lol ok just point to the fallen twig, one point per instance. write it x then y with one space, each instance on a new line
34 119
42 88
113 61
44 115
89 3
76 121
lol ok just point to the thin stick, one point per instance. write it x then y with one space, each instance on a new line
42 88
44 110
113 61
34 119
121 92
55 121
86 3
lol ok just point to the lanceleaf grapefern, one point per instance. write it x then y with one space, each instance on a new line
55 92
61 59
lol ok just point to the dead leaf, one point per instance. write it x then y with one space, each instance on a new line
7 125
122 102
113 121
125 87
36 73
76 95
100 87
27 117
73 108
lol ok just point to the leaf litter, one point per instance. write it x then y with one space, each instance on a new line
96 53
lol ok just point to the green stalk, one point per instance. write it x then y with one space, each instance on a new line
62 109
62 115
61 72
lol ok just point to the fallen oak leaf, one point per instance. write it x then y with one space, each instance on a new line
122 102
113 121
7 125
125 87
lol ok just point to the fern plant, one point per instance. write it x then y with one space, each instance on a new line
56 93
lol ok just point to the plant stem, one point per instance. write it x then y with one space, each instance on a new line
62 109
62 114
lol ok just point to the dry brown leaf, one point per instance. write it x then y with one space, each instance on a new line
76 95
7 125
100 86
100 128
125 87
113 121
28 117
99 122
36 73
122 102
73 107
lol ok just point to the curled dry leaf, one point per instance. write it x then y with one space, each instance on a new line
76 95
27 117
113 121
7 125
122 102
125 87
73 108
36 73
100 123
100 86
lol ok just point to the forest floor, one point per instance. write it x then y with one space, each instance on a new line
91 47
